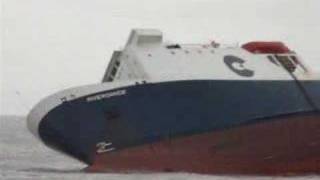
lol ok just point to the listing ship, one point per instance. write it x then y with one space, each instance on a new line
201 108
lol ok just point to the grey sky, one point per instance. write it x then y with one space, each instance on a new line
49 45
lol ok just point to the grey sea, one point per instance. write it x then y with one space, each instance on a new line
24 157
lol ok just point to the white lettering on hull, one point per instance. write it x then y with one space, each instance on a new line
103 147
106 95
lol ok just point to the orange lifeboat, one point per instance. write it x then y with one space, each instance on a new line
266 47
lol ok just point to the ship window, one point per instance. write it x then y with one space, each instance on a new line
174 46
117 63
114 71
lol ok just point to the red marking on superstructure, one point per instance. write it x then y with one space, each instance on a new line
266 47
278 147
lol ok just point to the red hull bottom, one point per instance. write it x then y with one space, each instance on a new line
289 145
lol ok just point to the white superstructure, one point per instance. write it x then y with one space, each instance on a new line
146 57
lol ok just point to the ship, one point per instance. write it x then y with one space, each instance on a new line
201 108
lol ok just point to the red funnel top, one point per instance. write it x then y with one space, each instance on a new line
266 47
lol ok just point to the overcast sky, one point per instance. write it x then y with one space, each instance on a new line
49 45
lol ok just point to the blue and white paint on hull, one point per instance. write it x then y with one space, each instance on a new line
153 92
145 113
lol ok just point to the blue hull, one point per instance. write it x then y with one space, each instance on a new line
149 113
